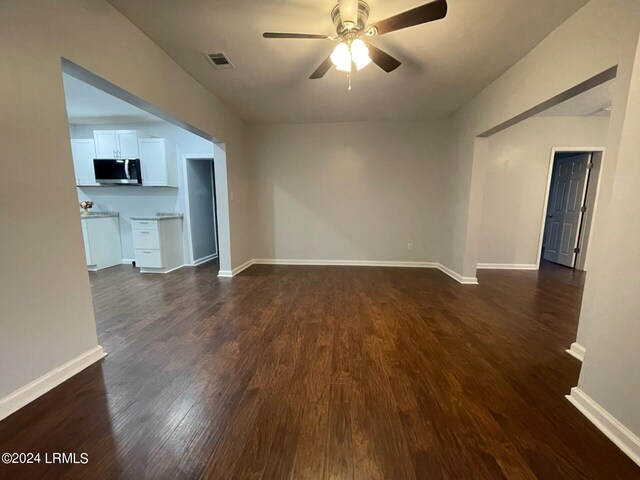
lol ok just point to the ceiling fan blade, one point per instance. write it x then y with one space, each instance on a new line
426 13
383 59
311 36
322 69
348 11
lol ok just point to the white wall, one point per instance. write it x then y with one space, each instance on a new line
611 319
515 183
349 191
46 315
597 37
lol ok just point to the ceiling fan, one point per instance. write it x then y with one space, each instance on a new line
350 19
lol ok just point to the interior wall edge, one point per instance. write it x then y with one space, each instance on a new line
624 438
577 351
41 385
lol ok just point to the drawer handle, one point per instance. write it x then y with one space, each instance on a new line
148 253
144 223
144 233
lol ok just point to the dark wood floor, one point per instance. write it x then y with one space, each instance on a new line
324 372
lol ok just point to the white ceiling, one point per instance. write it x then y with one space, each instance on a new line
594 102
445 63
89 105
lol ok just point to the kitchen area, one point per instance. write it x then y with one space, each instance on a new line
132 187
107 166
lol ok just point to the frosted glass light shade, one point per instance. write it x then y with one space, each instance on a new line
360 54
341 57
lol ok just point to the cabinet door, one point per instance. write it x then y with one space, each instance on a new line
87 247
106 144
104 241
84 151
146 239
148 258
127 141
153 161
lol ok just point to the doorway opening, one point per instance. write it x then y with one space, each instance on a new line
201 208
519 163
571 201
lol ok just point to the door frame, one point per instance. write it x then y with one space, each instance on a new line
543 221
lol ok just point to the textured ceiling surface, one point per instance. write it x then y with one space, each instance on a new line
445 63
87 104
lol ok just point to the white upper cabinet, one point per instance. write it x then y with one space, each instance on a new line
116 143
158 162
127 143
106 145
84 151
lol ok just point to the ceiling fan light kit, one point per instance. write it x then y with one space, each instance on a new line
350 19
351 52
341 57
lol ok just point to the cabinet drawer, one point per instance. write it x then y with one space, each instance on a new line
147 239
144 224
148 258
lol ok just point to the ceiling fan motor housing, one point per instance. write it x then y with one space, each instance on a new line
345 27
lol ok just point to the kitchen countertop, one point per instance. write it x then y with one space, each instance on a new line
100 215
159 216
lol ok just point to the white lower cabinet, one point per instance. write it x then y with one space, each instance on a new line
102 246
158 244
148 258
146 239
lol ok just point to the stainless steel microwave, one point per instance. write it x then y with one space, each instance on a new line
118 171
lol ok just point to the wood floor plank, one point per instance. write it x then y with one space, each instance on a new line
339 453
323 372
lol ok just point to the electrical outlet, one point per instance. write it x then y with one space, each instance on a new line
410 247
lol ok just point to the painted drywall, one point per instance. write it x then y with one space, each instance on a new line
46 315
349 191
201 214
593 40
515 183
611 369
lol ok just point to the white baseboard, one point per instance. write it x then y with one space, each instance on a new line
457 277
128 261
160 270
21 397
576 350
365 263
206 259
507 266
235 271
346 263
624 438
349 263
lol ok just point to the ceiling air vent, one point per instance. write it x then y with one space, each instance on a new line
219 60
